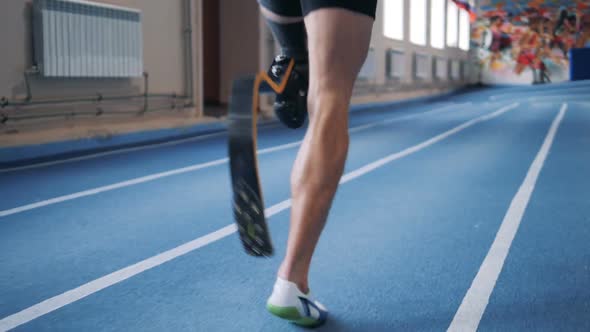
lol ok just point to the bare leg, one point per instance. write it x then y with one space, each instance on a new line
338 42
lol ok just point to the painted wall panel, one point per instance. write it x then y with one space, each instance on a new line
525 42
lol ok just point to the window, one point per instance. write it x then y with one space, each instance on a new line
393 19
437 24
395 64
464 29
418 22
452 24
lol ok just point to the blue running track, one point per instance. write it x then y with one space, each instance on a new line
468 212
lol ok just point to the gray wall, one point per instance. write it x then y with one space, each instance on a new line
381 44
376 86
245 48
163 53
240 36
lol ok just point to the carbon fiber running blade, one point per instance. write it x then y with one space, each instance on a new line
248 204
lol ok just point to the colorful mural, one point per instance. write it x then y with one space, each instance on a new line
524 42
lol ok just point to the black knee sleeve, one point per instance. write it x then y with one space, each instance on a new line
291 38
298 8
290 8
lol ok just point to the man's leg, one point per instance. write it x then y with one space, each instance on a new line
338 42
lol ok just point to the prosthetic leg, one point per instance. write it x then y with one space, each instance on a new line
248 203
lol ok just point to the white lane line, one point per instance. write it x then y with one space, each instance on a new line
153 177
99 284
143 179
149 147
61 300
407 117
372 166
509 95
476 300
558 98
110 153
122 151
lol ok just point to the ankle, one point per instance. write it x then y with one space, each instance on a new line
298 279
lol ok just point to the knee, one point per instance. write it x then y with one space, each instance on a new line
326 145
328 113
329 122
328 96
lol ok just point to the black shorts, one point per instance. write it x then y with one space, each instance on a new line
299 8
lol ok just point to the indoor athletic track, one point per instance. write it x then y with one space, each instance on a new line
467 212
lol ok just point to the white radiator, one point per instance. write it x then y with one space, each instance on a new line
75 38
440 68
421 65
395 64
455 69
369 69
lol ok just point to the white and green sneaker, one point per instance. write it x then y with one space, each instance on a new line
288 302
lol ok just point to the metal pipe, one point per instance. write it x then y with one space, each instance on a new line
159 109
188 33
47 116
174 102
33 71
99 112
146 83
28 86
28 101
7 103
5 118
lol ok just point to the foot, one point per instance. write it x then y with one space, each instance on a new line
291 105
288 302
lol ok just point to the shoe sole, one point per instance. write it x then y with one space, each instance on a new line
292 314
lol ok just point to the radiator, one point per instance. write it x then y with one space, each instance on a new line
455 69
395 64
368 70
421 65
75 38
440 68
